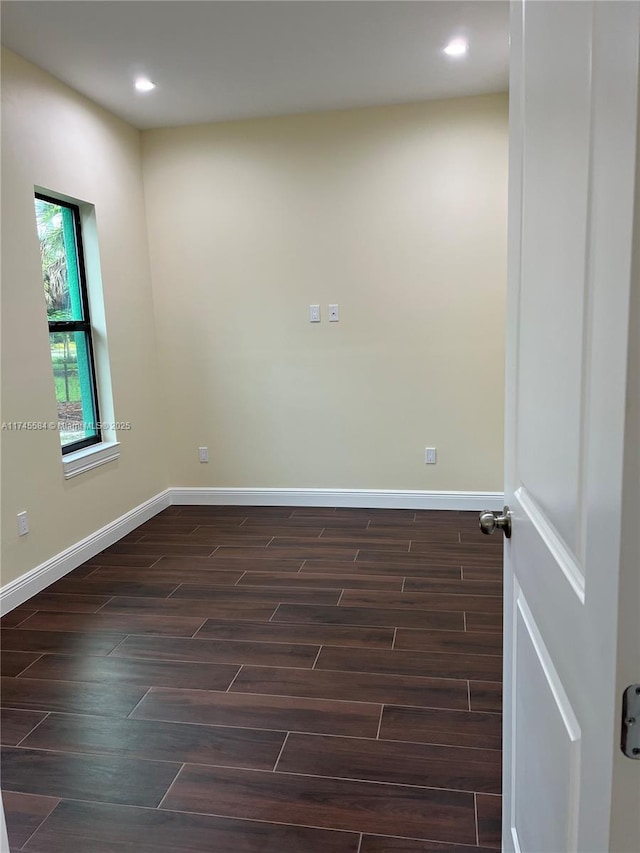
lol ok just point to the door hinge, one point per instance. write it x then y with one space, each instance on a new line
630 741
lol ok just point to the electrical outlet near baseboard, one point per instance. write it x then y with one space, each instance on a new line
430 456
23 523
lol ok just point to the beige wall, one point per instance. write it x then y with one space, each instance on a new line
399 215
54 138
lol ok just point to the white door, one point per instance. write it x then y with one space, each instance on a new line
574 105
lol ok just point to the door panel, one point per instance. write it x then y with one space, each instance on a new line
573 126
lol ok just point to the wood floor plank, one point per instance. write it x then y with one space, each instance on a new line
24 813
422 601
377 543
274 632
77 827
453 587
193 610
488 555
432 725
360 513
438 534
161 741
13 663
355 687
98 699
106 558
380 844
212 537
94 585
114 623
489 820
485 696
15 617
159 574
305 550
99 778
411 561
226 511
131 670
484 621
471 571
16 723
52 600
330 521
231 563
232 595
265 528
80 642
385 568
276 713
370 616
397 662
332 803
218 651
162 549
157 525
471 642
309 580
433 766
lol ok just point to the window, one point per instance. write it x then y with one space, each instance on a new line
65 291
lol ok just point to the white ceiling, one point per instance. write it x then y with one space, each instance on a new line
214 61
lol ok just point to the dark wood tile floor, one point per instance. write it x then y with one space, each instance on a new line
260 680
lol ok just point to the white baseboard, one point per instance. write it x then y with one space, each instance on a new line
365 498
21 589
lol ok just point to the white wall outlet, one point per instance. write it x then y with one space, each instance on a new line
430 456
334 313
314 313
23 524
203 454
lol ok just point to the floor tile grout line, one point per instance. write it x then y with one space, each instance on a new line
166 793
104 604
230 684
284 743
475 812
199 628
393 641
270 619
317 656
117 646
464 620
380 720
360 842
31 731
40 655
135 707
39 826
469 692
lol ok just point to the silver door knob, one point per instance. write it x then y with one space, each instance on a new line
492 521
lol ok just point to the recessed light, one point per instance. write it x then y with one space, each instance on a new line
143 84
457 47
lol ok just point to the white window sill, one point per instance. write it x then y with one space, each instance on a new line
89 457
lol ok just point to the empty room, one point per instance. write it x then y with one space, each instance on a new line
320 419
